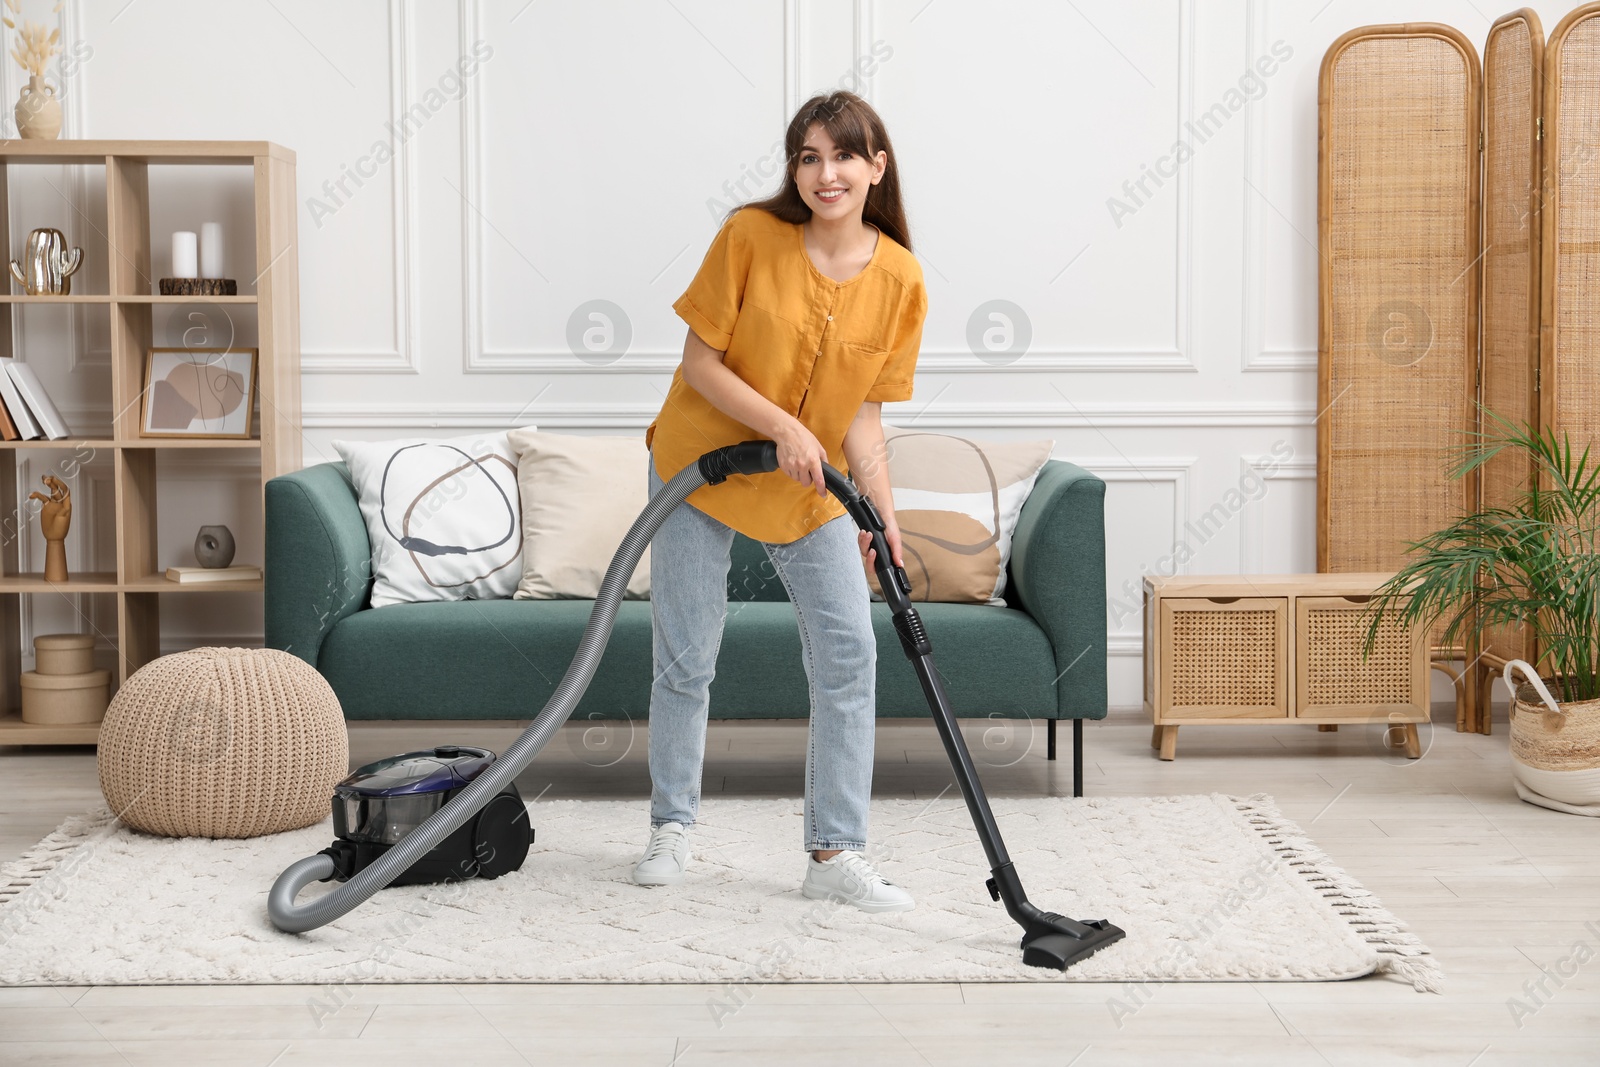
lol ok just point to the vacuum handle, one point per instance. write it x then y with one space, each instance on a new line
892 579
746 457
761 457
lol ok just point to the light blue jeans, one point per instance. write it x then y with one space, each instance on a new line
827 584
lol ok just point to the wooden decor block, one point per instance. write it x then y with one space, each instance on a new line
199 286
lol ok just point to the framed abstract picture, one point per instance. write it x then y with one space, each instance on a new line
198 392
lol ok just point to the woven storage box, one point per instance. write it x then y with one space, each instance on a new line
1555 759
1224 657
223 742
1333 680
1398 278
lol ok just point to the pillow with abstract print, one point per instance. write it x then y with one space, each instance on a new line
443 516
957 502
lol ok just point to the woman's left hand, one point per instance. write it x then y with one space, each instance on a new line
891 534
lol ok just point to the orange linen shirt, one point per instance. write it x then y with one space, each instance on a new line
815 347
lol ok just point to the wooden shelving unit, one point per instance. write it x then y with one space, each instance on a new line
139 582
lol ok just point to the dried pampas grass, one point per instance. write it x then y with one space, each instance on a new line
34 47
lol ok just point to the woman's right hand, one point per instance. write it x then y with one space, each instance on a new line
801 456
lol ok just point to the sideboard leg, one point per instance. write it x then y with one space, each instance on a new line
1169 742
1413 743
1327 727
1155 737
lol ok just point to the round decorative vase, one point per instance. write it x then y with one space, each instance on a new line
213 546
1555 758
38 111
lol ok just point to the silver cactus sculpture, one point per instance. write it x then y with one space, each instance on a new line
47 266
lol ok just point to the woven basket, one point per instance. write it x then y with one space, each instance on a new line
223 742
1555 759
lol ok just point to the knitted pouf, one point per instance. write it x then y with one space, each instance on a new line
223 742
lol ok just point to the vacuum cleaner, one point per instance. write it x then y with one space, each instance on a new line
1048 939
383 802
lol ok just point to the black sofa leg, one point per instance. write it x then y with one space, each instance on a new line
1077 751
1077 757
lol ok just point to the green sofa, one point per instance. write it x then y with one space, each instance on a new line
1042 656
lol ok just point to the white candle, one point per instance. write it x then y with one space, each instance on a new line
211 258
184 254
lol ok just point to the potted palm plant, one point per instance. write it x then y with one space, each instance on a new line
1534 563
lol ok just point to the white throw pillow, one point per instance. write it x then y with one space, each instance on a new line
580 496
442 515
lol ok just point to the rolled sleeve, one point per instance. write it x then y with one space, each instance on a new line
894 381
711 303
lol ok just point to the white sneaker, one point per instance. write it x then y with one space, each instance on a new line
849 878
665 858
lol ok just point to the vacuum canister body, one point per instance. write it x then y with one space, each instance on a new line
379 804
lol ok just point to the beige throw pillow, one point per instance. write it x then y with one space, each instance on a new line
580 496
957 502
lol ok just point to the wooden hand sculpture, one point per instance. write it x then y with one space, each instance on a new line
55 518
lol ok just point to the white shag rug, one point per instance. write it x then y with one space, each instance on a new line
1208 888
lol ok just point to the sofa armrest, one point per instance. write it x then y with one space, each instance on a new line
319 560
1058 573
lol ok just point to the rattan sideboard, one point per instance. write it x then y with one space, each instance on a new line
1254 648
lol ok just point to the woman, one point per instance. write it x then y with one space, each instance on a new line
805 316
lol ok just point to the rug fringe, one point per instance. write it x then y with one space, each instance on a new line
1400 952
21 874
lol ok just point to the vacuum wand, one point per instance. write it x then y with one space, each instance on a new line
1048 939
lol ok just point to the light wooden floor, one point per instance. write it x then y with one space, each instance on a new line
1499 889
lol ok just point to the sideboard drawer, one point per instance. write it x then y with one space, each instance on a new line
1223 658
1333 681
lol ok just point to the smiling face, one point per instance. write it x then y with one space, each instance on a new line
834 181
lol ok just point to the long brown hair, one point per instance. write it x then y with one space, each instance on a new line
855 127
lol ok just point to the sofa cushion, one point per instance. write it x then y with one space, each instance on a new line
576 511
956 501
502 659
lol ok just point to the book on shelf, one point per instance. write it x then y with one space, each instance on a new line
27 383
213 574
27 429
8 429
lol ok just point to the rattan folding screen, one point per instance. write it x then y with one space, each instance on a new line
1398 229
1513 93
1407 334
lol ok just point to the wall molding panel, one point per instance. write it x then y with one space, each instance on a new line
404 357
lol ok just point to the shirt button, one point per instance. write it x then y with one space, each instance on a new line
830 318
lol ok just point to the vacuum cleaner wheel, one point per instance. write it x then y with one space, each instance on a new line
502 836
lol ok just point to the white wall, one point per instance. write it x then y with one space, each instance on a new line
588 157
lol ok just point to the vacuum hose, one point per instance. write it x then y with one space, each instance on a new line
748 457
